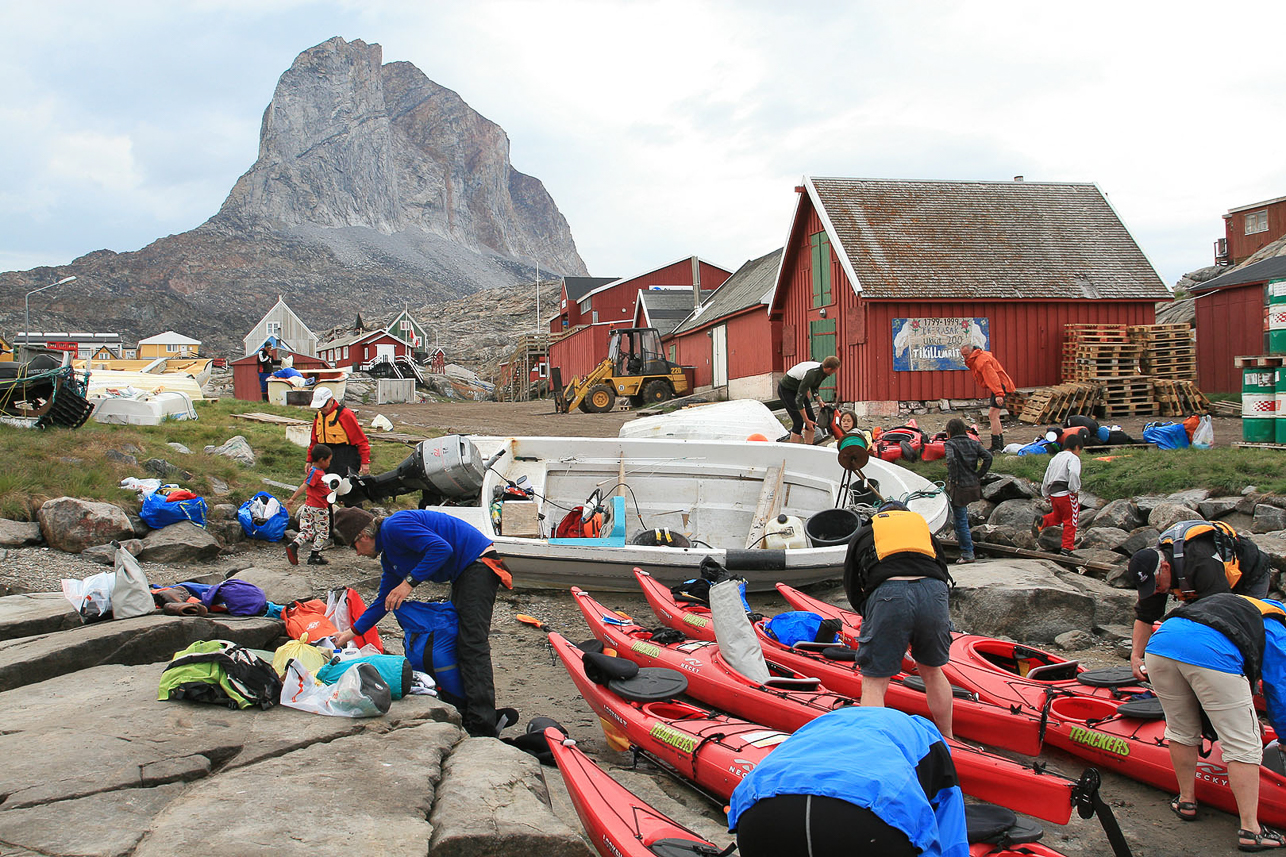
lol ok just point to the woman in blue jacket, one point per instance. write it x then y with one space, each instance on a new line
419 545
858 781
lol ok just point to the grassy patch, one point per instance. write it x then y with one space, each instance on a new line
1132 472
74 463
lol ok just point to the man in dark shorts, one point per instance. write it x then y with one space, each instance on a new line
797 388
896 576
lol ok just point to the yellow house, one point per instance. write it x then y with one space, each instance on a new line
168 344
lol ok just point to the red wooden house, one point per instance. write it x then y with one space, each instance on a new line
1231 321
363 348
663 307
569 304
893 276
612 305
1250 228
730 340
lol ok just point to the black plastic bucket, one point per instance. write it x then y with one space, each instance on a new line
866 492
832 527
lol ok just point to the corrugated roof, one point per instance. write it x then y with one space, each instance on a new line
983 240
1256 272
578 287
667 307
745 288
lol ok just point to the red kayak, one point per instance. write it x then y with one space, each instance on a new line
1007 727
715 751
710 679
1084 719
618 822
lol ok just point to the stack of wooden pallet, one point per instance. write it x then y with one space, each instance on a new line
1054 404
1127 396
1168 350
1178 398
1074 335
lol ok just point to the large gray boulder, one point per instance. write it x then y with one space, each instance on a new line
1274 545
1009 488
1165 515
142 640
16 534
1015 513
980 511
996 535
1268 519
179 543
289 805
281 587
237 448
1120 514
492 800
72 525
1104 538
1029 600
1190 497
1214 508
1143 537
106 554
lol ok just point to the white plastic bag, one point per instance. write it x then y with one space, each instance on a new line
92 597
131 596
1204 436
360 692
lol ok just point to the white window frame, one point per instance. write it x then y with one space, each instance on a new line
273 328
173 347
345 357
1256 222
585 305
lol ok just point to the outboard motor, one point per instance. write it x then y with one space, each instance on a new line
439 468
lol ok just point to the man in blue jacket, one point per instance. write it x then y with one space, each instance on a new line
1208 656
858 781
419 545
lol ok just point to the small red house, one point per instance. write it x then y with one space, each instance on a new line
245 373
612 305
730 340
569 309
663 307
1231 321
1250 228
362 349
893 276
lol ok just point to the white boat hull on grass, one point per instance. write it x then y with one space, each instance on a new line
716 493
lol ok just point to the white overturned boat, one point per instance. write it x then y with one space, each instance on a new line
723 497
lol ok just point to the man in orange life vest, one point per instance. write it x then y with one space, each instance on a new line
336 427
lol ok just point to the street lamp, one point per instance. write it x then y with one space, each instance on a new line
26 305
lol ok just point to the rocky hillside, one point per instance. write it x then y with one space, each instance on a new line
375 188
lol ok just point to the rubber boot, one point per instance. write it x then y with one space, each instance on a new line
997 443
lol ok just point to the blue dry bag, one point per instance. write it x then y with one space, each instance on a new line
431 628
271 528
157 512
1166 435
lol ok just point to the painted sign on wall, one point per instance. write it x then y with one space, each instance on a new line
933 344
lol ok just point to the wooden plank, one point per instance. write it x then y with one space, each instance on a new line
769 503
1260 445
620 477
1006 550
256 417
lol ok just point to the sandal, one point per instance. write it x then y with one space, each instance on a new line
1187 810
1266 839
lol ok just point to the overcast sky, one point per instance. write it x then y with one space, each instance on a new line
661 129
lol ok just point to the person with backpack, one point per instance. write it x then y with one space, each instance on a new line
988 372
858 781
336 427
797 389
1207 656
895 575
964 480
1062 485
314 517
1211 558
418 545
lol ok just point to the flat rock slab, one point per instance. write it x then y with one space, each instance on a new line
102 730
493 801
102 825
366 793
143 640
1028 600
36 613
281 587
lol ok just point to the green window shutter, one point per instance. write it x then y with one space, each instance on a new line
820 258
821 344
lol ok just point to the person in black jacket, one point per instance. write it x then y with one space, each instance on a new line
896 576
964 485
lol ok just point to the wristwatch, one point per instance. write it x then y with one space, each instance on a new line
411 581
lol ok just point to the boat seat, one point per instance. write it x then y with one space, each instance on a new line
651 684
985 822
1061 671
801 683
810 646
1148 708
916 683
1108 677
615 538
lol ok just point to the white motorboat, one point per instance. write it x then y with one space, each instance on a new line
145 409
723 499
738 419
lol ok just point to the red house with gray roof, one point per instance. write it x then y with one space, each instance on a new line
893 276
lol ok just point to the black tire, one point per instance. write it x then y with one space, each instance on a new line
600 399
657 391
636 401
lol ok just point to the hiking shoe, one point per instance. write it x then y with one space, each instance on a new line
965 560
1035 525
292 553
1065 552
315 558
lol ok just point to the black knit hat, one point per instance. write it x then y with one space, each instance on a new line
349 524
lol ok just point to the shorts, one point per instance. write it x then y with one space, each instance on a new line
814 824
993 401
796 416
903 613
1185 691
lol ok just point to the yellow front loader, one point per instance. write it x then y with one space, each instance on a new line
635 368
